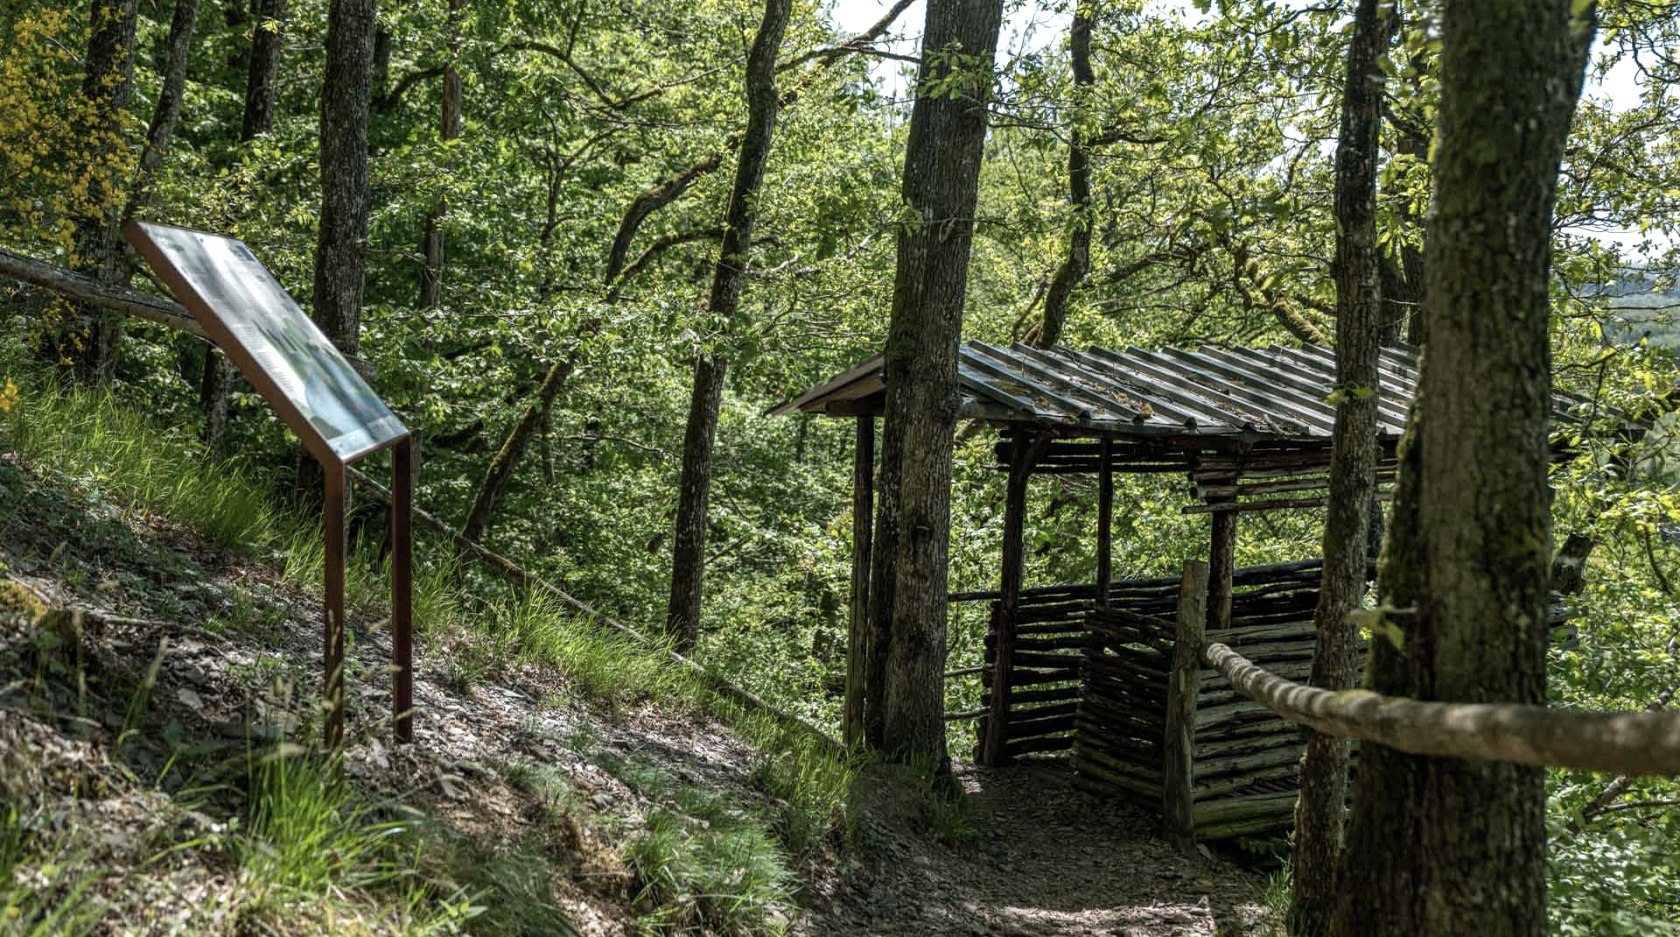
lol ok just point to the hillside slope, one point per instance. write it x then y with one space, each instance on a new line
157 721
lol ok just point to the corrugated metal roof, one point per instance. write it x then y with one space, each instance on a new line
1270 392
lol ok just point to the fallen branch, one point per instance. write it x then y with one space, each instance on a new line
79 286
1641 743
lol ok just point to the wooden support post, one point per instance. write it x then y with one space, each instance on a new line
1105 521
1222 565
1024 454
403 462
332 696
863 520
1178 766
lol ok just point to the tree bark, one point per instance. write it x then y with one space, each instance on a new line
941 184
688 552
166 111
90 343
262 73
340 244
1353 466
1436 845
431 275
262 83
1078 260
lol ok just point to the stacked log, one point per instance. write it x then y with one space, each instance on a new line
1122 711
1044 673
1246 758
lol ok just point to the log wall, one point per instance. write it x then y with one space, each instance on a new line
1245 758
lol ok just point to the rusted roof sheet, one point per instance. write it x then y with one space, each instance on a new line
1273 392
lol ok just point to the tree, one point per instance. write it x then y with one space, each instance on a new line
942 158
262 86
1078 260
450 125
688 552
106 87
1439 845
340 244
1353 465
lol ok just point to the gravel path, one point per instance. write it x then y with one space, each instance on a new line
1048 860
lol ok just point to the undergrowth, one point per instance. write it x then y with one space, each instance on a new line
697 860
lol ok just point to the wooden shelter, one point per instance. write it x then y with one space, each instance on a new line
1089 667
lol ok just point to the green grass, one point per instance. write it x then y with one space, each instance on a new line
308 836
46 889
116 453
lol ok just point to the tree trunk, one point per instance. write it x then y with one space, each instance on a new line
1441 846
1353 466
167 109
1078 260
513 448
262 73
106 88
688 552
431 275
262 81
340 243
941 184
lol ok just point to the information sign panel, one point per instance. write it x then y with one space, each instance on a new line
246 311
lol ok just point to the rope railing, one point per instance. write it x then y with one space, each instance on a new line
1630 743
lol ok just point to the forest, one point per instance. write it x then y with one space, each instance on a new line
707 639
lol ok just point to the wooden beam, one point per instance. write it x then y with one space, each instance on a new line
1022 460
863 519
1222 565
85 288
1178 765
1105 521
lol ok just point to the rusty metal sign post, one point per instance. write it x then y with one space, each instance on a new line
321 398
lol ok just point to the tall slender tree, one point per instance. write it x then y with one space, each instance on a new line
449 129
340 243
1448 846
1078 260
941 185
688 555
107 85
1353 465
262 88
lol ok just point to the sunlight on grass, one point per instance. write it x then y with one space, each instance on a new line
117 453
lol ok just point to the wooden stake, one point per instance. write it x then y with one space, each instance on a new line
863 519
1178 770
403 460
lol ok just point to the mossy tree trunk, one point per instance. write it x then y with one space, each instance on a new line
688 552
450 125
90 349
941 183
1447 846
1353 465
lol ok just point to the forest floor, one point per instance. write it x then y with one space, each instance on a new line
127 734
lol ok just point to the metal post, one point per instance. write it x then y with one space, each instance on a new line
403 459
337 497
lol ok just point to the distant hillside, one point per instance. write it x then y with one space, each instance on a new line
1644 303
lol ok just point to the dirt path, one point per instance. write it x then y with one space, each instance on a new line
1048 860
